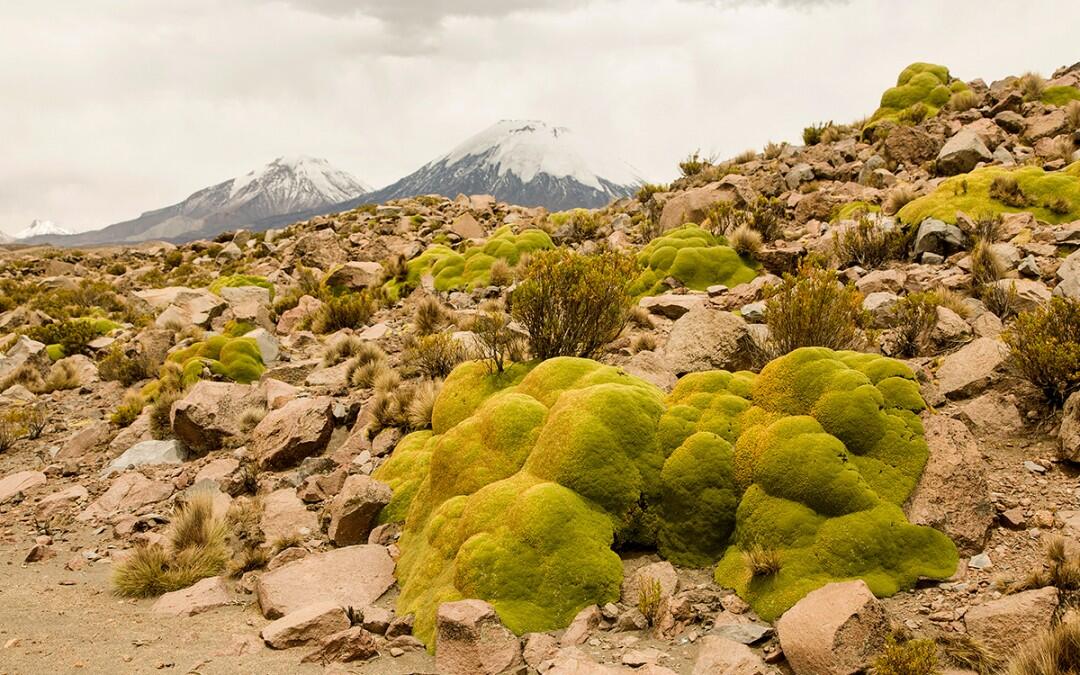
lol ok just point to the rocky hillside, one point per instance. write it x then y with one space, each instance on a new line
811 410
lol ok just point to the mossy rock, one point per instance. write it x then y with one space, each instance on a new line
921 85
233 358
695 257
529 478
240 280
471 268
1052 196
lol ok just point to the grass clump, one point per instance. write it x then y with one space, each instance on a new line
1055 652
746 241
813 309
648 600
1059 570
897 198
432 316
572 304
913 657
129 409
348 310
762 561
1032 86
436 355
812 134
341 350
197 549
965 652
869 243
1044 345
117 365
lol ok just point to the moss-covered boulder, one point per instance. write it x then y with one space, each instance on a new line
471 268
528 478
239 281
695 257
231 358
921 91
1051 196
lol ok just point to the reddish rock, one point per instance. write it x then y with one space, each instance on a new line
349 645
356 508
284 515
578 631
202 596
210 413
970 370
20 481
720 656
299 429
306 624
85 440
128 492
1005 624
471 640
354 576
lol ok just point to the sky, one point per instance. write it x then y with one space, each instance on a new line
115 107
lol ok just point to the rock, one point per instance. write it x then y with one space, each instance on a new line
356 275
376 620
250 304
355 510
538 647
1049 125
471 640
1010 121
971 369
209 414
880 305
39 553
744 633
718 655
60 501
1008 623
188 306
20 481
347 646
935 236
891 281
299 429
799 174
1029 294
1068 433
148 453
1069 275
753 312
24 352
1013 518
354 576
962 152
285 515
952 494
992 412
200 597
707 339
267 344
466 227
306 624
672 306
652 368
128 492
837 629
85 440
911 145
290 319
578 631
689 206
950 329
661 572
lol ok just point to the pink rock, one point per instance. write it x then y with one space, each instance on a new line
284 515
306 624
20 481
200 597
721 656
356 508
1005 624
471 640
354 576
299 429
128 492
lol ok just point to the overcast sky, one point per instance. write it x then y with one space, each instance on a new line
114 107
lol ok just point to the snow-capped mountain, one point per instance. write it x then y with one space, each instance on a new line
285 186
40 228
529 163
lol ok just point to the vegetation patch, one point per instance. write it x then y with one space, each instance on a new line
695 257
240 280
921 91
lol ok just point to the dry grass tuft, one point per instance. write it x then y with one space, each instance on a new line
432 316
1055 652
761 561
418 413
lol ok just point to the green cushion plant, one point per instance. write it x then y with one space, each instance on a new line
695 257
921 91
240 280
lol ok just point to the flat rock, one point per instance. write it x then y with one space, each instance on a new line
354 576
346 646
128 492
148 453
20 481
972 368
672 305
717 655
299 429
209 414
1068 433
301 626
1006 624
200 597
285 515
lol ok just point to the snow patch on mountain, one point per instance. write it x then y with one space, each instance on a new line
41 227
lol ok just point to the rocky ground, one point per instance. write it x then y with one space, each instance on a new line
295 449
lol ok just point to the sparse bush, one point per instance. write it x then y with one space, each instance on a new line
897 198
1032 86
1059 571
648 600
572 304
340 350
498 343
645 342
813 309
693 164
833 133
160 422
129 409
25 375
965 652
63 375
986 265
432 315
366 368
913 318
251 416
744 157
11 429
766 216
723 217
913 657
436 355
1055 652
350 310
172 259
72 335
118 366
773 150
745 240
869 243
576 224
1006 189
502 275
811 135
1000 299
1045 347
963 100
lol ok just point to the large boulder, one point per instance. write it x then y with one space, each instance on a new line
1008 623
1049 125
689 206
354 576
186 306
20 481
355 510
209 414
935 236
356 275
911 146
836 630
299 429
24 351
149 453
128 492
952 495
968 371
299 627
250 304
708 339
962 152
200 597
470 640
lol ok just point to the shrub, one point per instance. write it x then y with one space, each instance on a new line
762 562
897 198
160 421
1055 652
576 224
1072 115
869 243
914 657
1044 345
498 343
366 366
1032 86
341 349
773 150
766 214
432 316
436 355
502 275
646 342
1059 571
693 164
811 135
963 100
747 242
349 310
1006 189
1000 299
118 366
572 304
11 429
813 309
648 600
986 265
965 652
73 335
913 318
173 259
418 413
129 409
251 416
31 419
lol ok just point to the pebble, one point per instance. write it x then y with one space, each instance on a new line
980 562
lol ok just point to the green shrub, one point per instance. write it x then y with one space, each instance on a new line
1044 345
498 343
869 243
118 366
434 356
572 304
72 336
914 657
812 134
349 310
921 91
913 318
695 258
813 309
1060 95
579 224
129 410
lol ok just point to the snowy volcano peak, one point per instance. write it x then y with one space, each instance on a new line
309 180
40 227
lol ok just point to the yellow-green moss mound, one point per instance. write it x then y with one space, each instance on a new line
471 268
240 280
529 477
1051 196
232 358
695 257
921 91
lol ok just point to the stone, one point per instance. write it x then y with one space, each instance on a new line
799 174
355 510
354 576
717 655
950 329
707 339
652 368
744 633
672 305
471 640
301 428
1068 274
935 236
1049 125
1028 293
85 440
356 275
537 648
880 305
661 572
346 646
290 319
1010 121
20 481
148 453
962 152
971 369
128 492
882 280
376 620
285 515
188 306
584 622
837 629
209 414
250 304
202 596
60 501
1012 621
467 227
754 312
911 145
689 206
992 412
1068 432
267 344
24 352
301 626
952 494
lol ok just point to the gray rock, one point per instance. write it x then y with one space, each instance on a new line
148 453
744 633
935 236
962 152
707 339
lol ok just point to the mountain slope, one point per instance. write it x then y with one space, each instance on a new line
286 185
521 162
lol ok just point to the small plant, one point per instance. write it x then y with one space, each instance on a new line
812 134
1044 345
648 601
502 275
418 413
813 309
693 164
746 241
897 198
965 652
72 335
436 355
1072 115
773 150
913 657
645 342
744 157
762 561
869 243
350 310
1055 652
11 429
1059 571
63 375
129 409
913 318
1032 86
161 411
766 215
498 343
963 100
341 350
1006 189
251 416
572 304
432 316
1000 299
723 217
986 265
118 366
